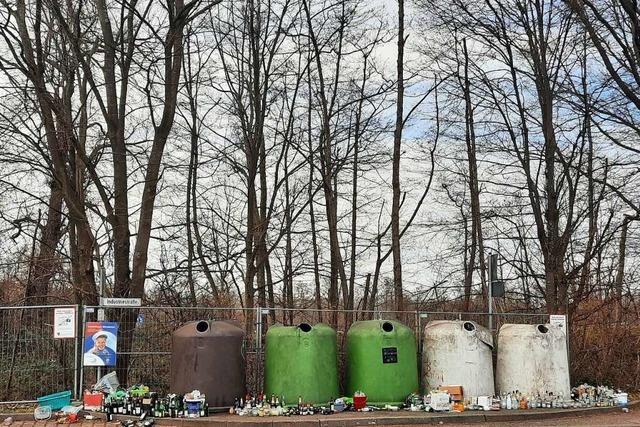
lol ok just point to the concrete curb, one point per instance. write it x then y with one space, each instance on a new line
365 419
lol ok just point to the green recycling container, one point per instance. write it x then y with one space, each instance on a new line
301 361
381 361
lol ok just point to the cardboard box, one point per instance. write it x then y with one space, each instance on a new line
454 390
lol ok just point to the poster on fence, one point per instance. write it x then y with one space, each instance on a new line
100 344
64 322
559 321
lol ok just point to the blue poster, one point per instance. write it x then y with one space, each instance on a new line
100 344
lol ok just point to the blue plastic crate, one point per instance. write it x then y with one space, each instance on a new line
56 400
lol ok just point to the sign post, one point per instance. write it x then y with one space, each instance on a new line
120 302
493 274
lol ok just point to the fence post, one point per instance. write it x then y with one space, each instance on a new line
258 344
568 342
76 387
79 352
420 344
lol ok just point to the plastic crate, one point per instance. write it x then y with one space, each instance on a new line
92 401
56 400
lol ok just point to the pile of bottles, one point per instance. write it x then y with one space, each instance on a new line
581 397
140 402
517 400
584 396
262 406
587 395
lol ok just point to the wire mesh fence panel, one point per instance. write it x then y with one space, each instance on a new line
149 331
32 362
144 339
523 318
481 318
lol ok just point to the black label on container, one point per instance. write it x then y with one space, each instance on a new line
390 355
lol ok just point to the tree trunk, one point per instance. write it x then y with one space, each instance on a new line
622 250
469 260
395 180
349 305
288 270
190 244
593 207
329 171
250 254
474 188
312 217
45 264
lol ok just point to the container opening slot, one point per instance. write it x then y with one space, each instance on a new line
387 326
202 326
304 327
543 329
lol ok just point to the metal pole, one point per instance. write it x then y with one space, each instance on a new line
568 342
101 287
490 290
259 349
101 283
100 319
81 352
76 353
420 346
422 382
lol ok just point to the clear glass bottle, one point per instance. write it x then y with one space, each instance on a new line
514 400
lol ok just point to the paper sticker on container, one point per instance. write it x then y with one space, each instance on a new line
100 344
64 322
390 355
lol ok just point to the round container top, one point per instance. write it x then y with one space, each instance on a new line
210 328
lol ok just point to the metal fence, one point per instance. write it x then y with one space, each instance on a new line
33 363
149 350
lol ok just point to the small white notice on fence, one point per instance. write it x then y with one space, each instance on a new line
559 321
64 322
121 302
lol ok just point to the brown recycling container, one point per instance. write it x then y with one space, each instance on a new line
208 356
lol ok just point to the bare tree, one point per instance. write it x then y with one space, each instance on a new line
395 180
477 241
65 138
533 41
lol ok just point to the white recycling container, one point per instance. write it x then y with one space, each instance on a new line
458 353
532 359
